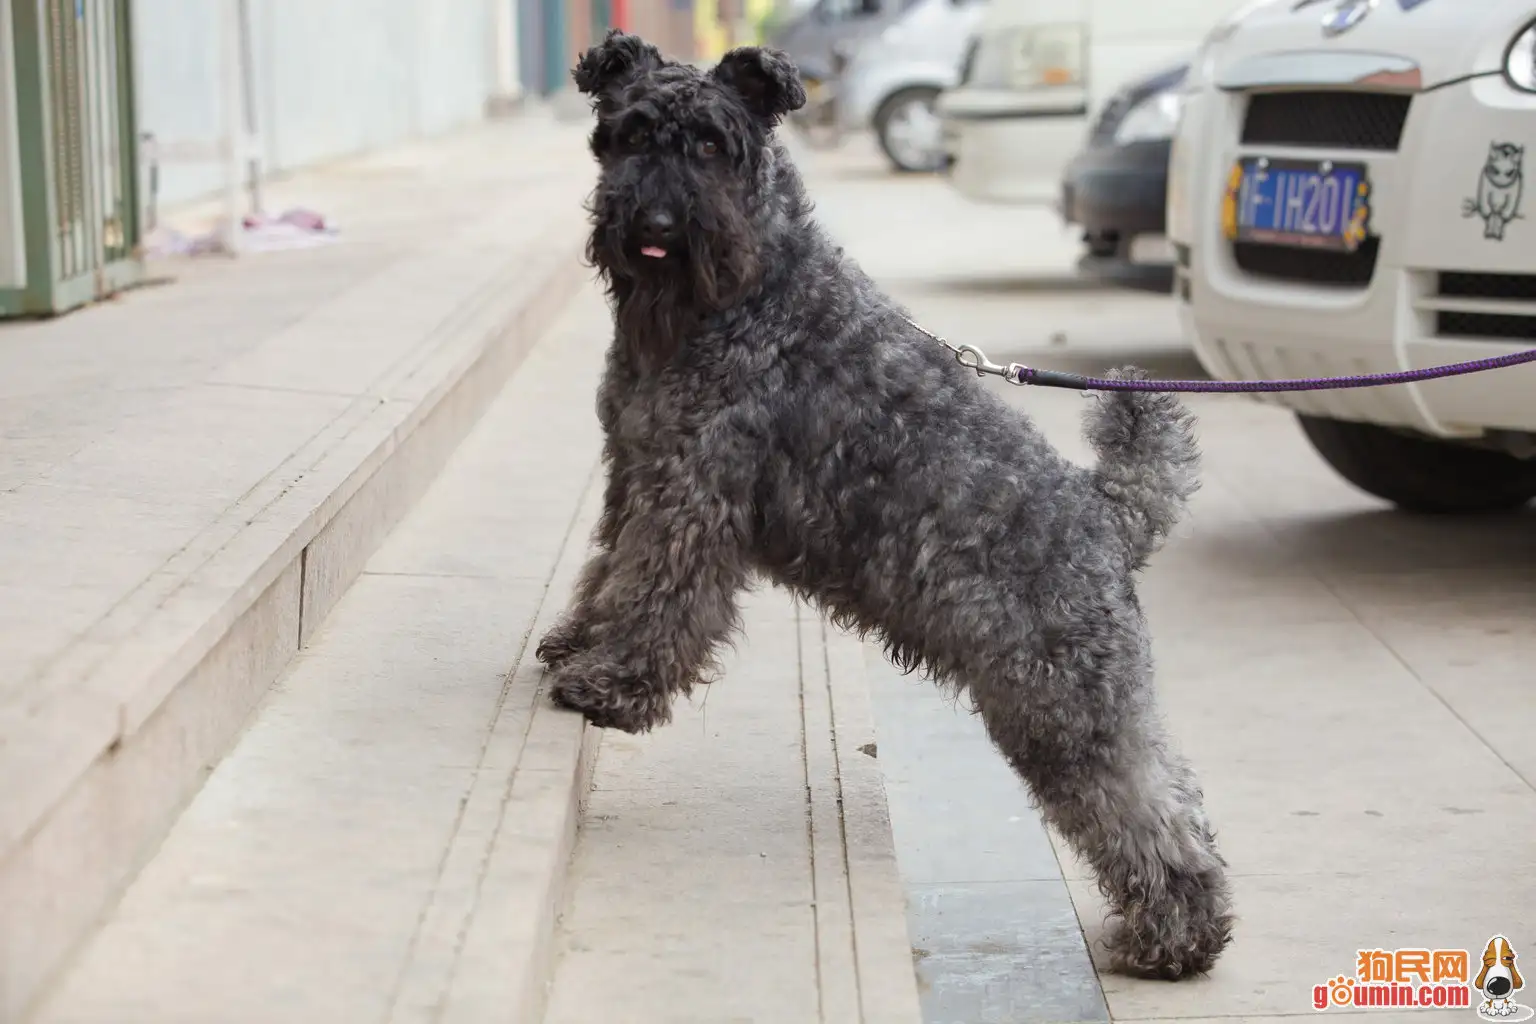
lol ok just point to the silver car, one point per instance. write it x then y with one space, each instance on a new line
813 36
894 79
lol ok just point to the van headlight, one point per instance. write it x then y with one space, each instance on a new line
1520 60
1042 57
1156 117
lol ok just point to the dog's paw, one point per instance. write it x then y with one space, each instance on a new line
611 698
1143 946
564 641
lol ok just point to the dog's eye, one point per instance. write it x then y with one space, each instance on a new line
636 139
708 148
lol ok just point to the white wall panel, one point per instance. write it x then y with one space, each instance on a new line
332 77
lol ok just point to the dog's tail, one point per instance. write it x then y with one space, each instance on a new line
1148 461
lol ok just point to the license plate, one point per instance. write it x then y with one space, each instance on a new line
1306 204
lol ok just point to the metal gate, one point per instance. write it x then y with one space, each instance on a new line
68 159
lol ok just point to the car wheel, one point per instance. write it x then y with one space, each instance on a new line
1422 474
910 132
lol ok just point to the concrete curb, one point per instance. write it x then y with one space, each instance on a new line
854 852
125 727
505 964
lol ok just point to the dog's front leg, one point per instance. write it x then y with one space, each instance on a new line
666 600
572 634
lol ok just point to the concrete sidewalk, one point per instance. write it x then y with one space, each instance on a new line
389 840
195 473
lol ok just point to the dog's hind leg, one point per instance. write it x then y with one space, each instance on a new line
1096 759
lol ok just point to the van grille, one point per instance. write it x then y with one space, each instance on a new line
1509 287
1485 325
1309 266
1326 120
1493 289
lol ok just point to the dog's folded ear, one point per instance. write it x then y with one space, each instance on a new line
765 79
614 63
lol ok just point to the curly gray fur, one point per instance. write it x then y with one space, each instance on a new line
793 426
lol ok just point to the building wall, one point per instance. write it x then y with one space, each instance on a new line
710 33
666 23
332 77
578 30
530 46
557 63
757 13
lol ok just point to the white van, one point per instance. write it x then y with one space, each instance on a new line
1038 71
1419 113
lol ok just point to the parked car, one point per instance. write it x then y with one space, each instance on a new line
1347 196
1036 74
813 37
1116 188
894 78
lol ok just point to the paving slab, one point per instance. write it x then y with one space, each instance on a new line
995 936
1001 952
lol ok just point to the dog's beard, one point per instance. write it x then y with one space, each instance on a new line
660 302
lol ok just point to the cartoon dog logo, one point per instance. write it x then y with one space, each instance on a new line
1498 981
1499 188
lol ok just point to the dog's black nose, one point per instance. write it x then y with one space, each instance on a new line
1498 988
660 224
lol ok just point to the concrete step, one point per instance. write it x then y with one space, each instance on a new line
738 865
388 839
197 473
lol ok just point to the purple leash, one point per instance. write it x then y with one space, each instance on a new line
973 358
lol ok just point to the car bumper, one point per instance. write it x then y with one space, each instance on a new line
1118 195
1430 289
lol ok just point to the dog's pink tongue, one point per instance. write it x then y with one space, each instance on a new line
655 252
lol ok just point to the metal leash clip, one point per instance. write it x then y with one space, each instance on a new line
978 361
1013 373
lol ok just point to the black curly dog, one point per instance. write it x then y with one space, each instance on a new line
767 411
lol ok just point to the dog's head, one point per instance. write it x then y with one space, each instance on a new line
683 153
1500 977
